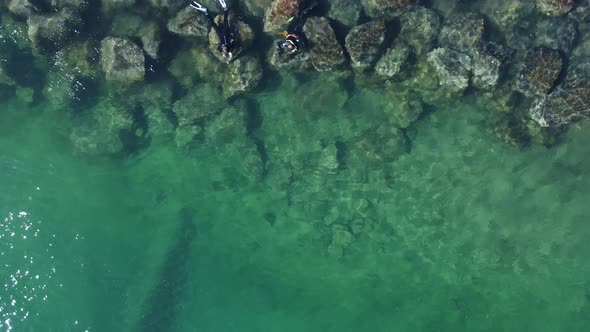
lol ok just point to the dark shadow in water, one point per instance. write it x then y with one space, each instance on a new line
160 308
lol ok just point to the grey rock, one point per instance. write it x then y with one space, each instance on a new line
452 67
403 113
122 60
151 38
244 75
325 53
363 43
346 12
420 28
386 8
53 29
394 63
463 32
22 7
486 70
300 61
189 23
557 33
555 7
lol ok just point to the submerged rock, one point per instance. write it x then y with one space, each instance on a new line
540 72
363 43
486 69
200 103
192 65
80 58
244 75
300 61
346 12
101 130
394 63
256 7
122 60
108 5
419 29
151 38
243 34
189 23
278 15
452 67
4 78
382 144
559 33
403 110
555 7
463 32
53 29
320 96
326 53
22 7
564 105
377 8
167 4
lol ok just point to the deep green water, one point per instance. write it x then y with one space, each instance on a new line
469 234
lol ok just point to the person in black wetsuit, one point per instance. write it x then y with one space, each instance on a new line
224 32
294 34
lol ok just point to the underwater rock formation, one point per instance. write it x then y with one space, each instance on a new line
245 73
564 105
345 12
122 60
363 43
419 29
486 69
244 36
452 67
53 29
200 103
325 53
540 72
256 7
278 15
189 23
382 144
300 61
403 114
559 33
167 4
462 32
22 7
394 63
4 78
108 5
555 7
378 8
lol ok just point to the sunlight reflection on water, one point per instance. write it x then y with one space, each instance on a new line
26 271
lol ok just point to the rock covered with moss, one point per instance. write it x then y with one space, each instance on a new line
24 8
122 60
378 8
563 106
244 75
189 23
379 145
345 12
463 32
395 62
201 102
364 42
540 72
52 30
453 68
279 13
325 53
555 7
419 29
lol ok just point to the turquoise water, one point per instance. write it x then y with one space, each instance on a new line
278 215
464 234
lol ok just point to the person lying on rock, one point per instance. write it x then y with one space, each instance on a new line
294 34
226 37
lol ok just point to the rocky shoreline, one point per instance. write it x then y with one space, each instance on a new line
129 72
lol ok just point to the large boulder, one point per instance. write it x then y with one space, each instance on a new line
395 62
189 23
148 31
279 13
192 65
363 43
453 68
564 105
53 29
100 130
200 103
419 29
378 8
346 12
463 32
243 35
24 8
486 69
245 73
122 60
540 72
383 144
326 53
299 61
555 7
256 8
559 33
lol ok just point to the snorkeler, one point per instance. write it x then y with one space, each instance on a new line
224 32
294 34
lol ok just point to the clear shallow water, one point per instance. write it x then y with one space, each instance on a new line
462 234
